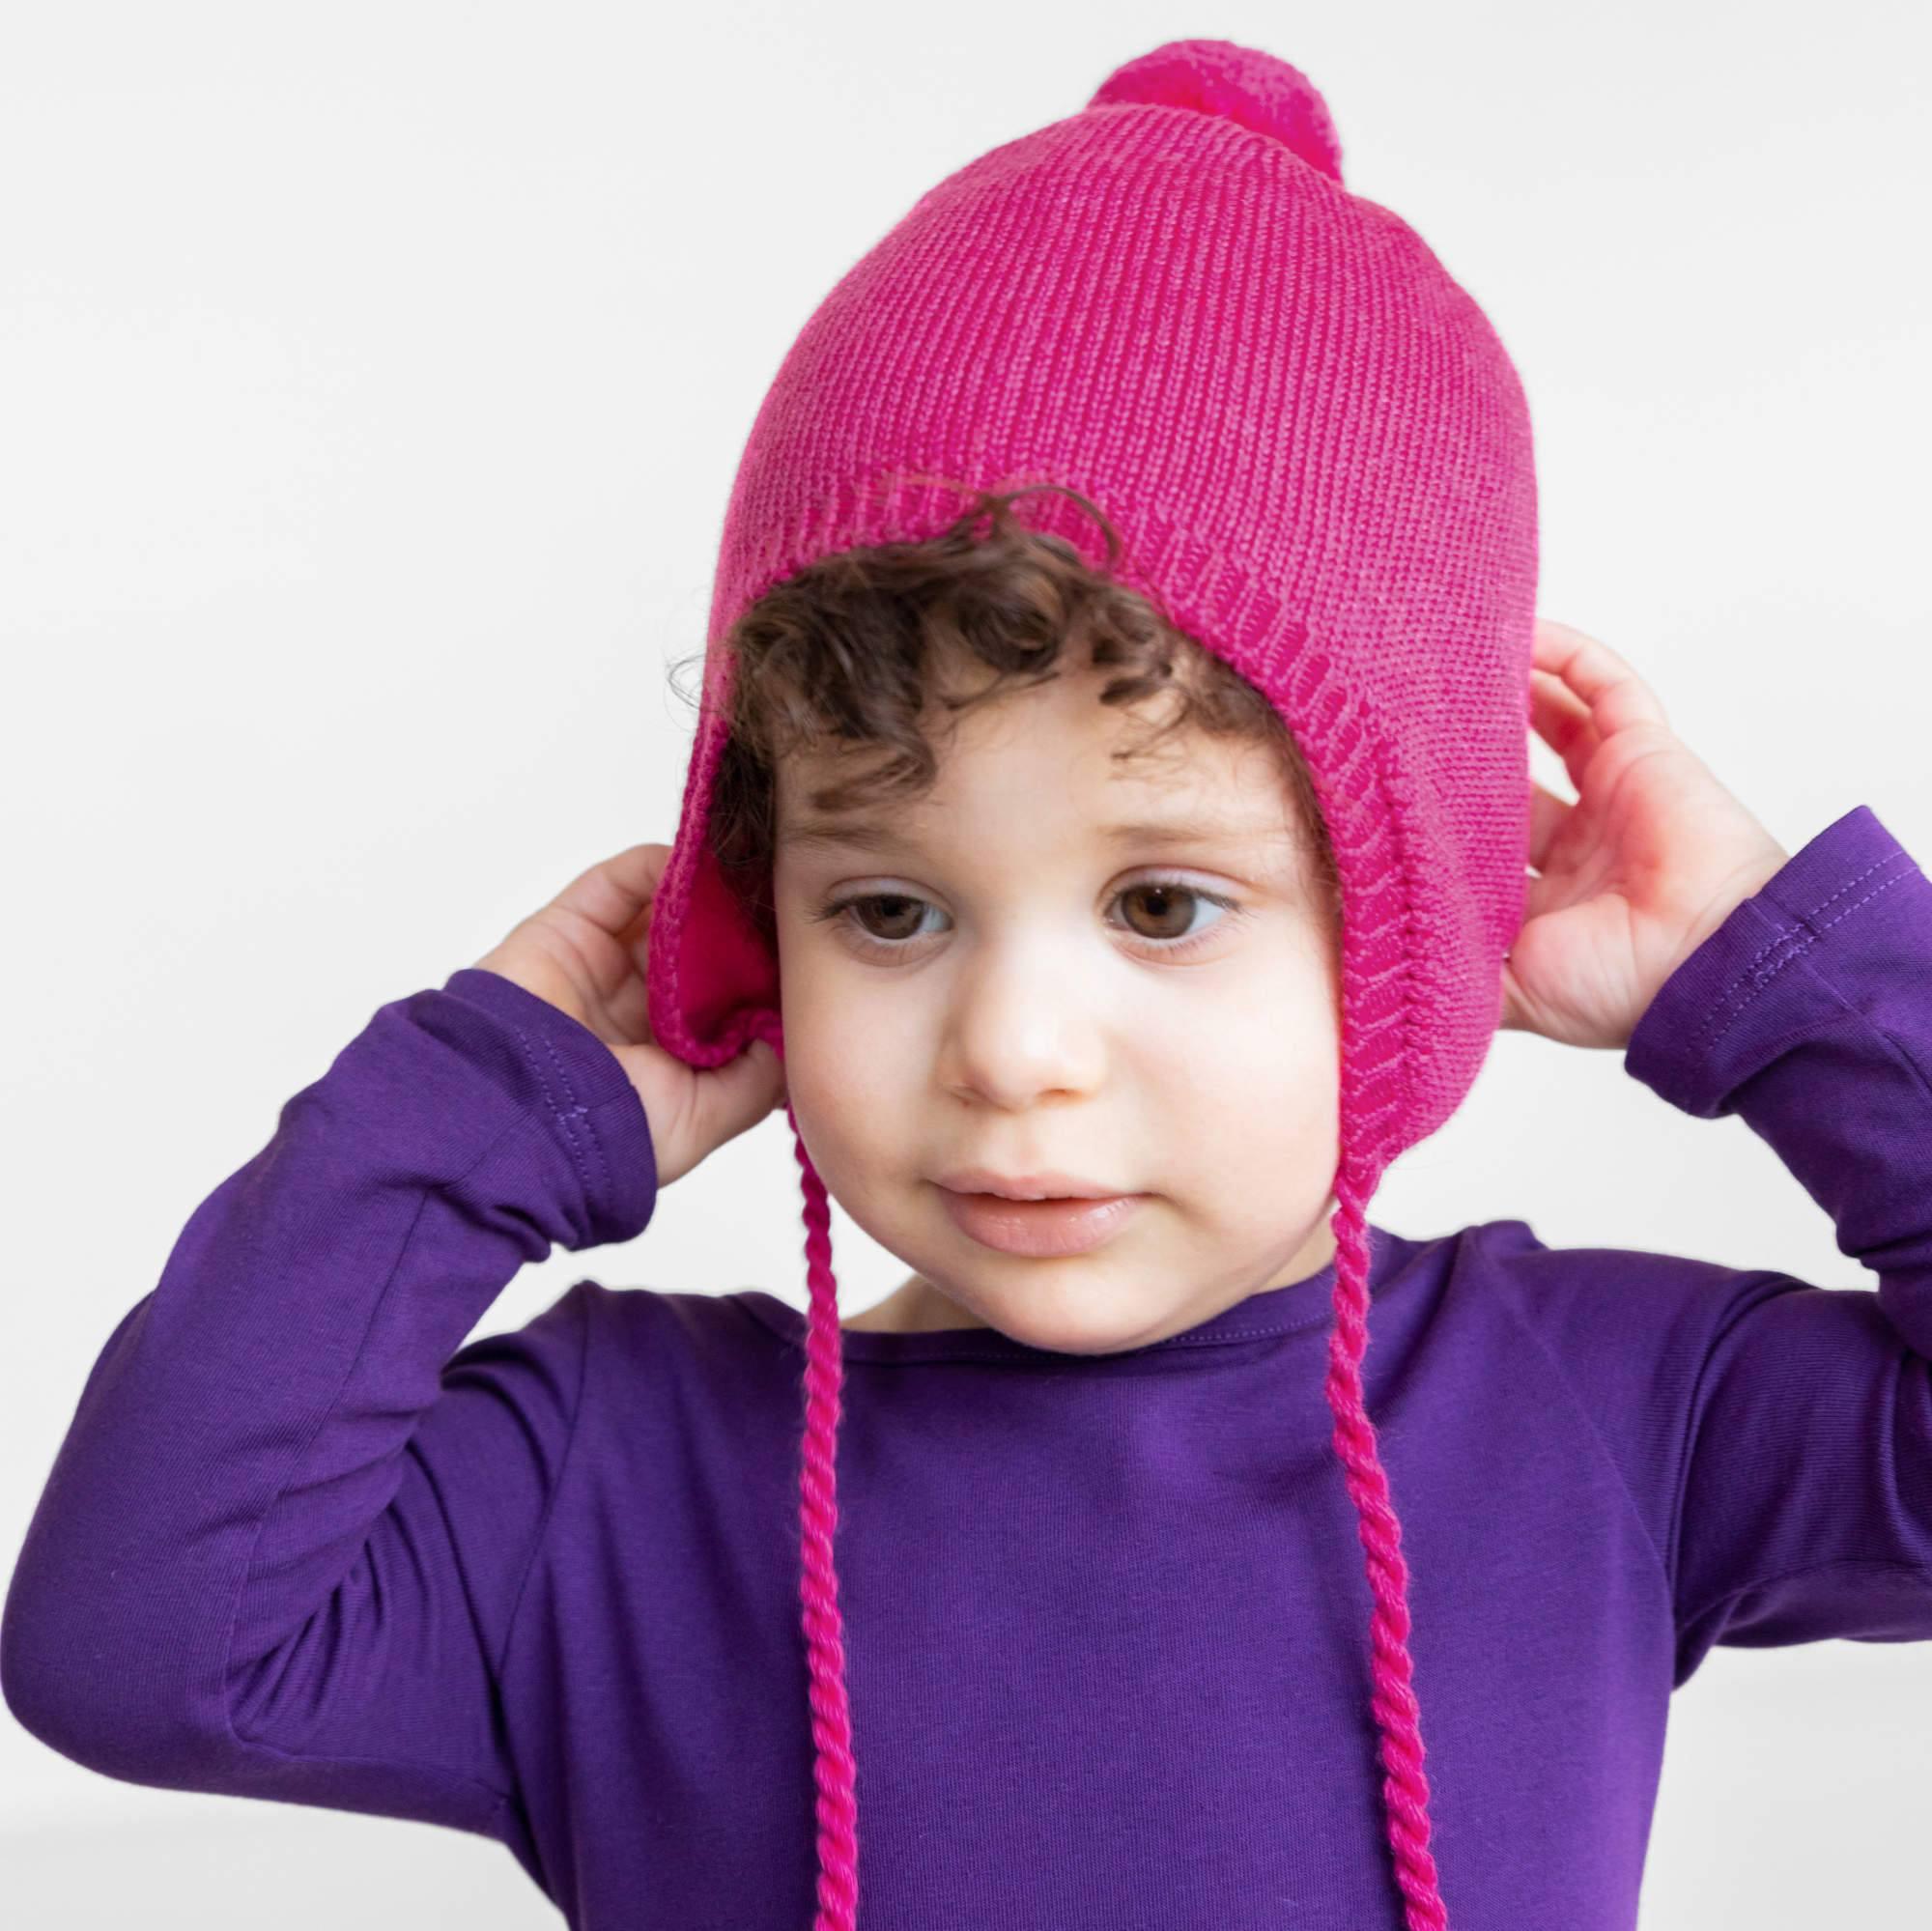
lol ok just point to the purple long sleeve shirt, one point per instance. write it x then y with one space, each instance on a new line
1106 1617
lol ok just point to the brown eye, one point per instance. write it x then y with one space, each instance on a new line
1173 906
893 926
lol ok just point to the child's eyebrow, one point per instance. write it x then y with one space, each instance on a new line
833 835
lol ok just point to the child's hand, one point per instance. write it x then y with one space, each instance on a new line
585 952
1638 871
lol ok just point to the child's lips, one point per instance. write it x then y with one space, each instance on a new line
1040 1229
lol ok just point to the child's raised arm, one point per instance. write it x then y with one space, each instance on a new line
1805 1502
281 1549
1776 1436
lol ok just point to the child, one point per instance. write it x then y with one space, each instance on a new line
1107 1662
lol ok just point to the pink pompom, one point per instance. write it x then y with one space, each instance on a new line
1241 84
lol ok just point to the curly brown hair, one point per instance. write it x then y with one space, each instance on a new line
845 658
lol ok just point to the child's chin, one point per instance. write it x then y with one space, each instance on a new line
1097 1321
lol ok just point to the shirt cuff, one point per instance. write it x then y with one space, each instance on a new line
586 1091
1724 1012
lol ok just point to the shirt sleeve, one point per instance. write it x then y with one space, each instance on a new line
1805 1508
279 1551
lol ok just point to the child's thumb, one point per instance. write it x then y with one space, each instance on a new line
731 1097
763 1072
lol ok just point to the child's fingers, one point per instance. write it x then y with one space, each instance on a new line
614 892
1563 721
1614 694
1547 814
630 1009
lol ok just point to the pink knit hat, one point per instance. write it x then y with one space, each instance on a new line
1317 456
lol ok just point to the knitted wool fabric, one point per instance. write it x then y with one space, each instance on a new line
1318 458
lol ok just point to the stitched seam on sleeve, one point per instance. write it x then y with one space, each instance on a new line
571 1123
1794 940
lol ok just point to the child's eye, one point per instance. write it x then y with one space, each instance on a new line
899 912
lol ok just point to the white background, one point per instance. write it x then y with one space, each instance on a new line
372 379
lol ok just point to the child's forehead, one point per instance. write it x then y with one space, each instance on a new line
1133 809
1102 775
1077 770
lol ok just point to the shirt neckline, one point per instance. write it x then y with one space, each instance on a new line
1286 1309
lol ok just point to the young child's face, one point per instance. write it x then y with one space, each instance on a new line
1014 996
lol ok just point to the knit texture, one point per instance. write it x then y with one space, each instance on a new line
1318 458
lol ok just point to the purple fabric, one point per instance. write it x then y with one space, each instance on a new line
1105 1616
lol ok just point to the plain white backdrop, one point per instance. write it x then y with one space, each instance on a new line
373 378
